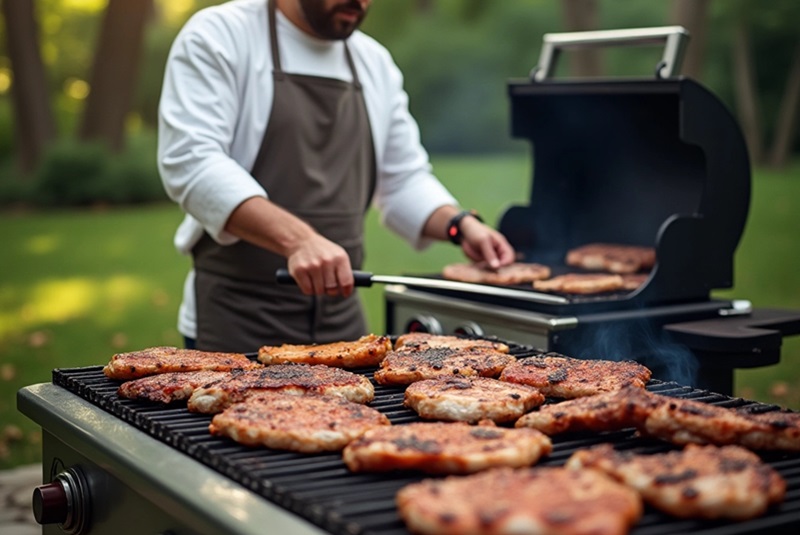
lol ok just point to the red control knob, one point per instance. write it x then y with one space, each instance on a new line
50 503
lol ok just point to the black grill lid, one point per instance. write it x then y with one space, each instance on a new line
657 163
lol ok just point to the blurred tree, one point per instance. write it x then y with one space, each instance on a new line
693 15
787 115
114 71
579 16
747 101
33 118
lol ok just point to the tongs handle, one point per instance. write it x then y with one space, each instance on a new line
363 279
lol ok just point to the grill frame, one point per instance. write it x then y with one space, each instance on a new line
320 489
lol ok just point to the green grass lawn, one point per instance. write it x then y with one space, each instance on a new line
78 286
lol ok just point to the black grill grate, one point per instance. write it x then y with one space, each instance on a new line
321 489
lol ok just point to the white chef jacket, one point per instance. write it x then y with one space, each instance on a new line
215 105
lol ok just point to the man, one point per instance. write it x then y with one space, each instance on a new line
279 124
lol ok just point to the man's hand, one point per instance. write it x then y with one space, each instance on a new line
482 243
321 267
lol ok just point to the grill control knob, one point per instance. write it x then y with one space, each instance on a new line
469 328
423 323
64 501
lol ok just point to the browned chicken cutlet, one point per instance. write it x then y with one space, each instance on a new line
481 273
444 448
368 350
307 424
612 257
296 379
169 387
533 501
684 421
610 411
581 283
414 363
471 399
453 342
564 377
154 360
698 482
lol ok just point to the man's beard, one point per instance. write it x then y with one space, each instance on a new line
326 24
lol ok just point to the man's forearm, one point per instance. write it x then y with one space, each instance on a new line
267 225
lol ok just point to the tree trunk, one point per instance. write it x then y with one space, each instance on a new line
114 71
746 91
582 15
34 125
787 115
693 15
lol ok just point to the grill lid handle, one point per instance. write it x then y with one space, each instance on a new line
674 37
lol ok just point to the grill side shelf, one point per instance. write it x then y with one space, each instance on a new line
320 489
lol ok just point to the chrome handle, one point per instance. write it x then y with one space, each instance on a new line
674 37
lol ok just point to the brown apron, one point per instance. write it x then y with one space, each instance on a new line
317 161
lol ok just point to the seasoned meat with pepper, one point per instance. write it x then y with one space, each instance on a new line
296 379
480 273
581 283
698 482
169 387
564 377
368 350
444 448
414 363
612 257
454 342
307 424
610 411
684 421
528 501
471 399
155 360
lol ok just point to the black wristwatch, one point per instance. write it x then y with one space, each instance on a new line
454 226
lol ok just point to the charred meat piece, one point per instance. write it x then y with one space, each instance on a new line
564 377
169 387
523 501
684 421
368 350
125 366
632 281
610 411
581 283
612 257
414 363
480 273
444 448
471 399
306 424
700 481
454 342
296 379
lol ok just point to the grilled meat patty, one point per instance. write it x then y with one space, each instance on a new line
414 363
700 481
297 379
368 350
307 424
471 399
684 421
454 342
444 448
169 387
481 273
531 501
564 377
153 360
612 257
627 407
581 283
